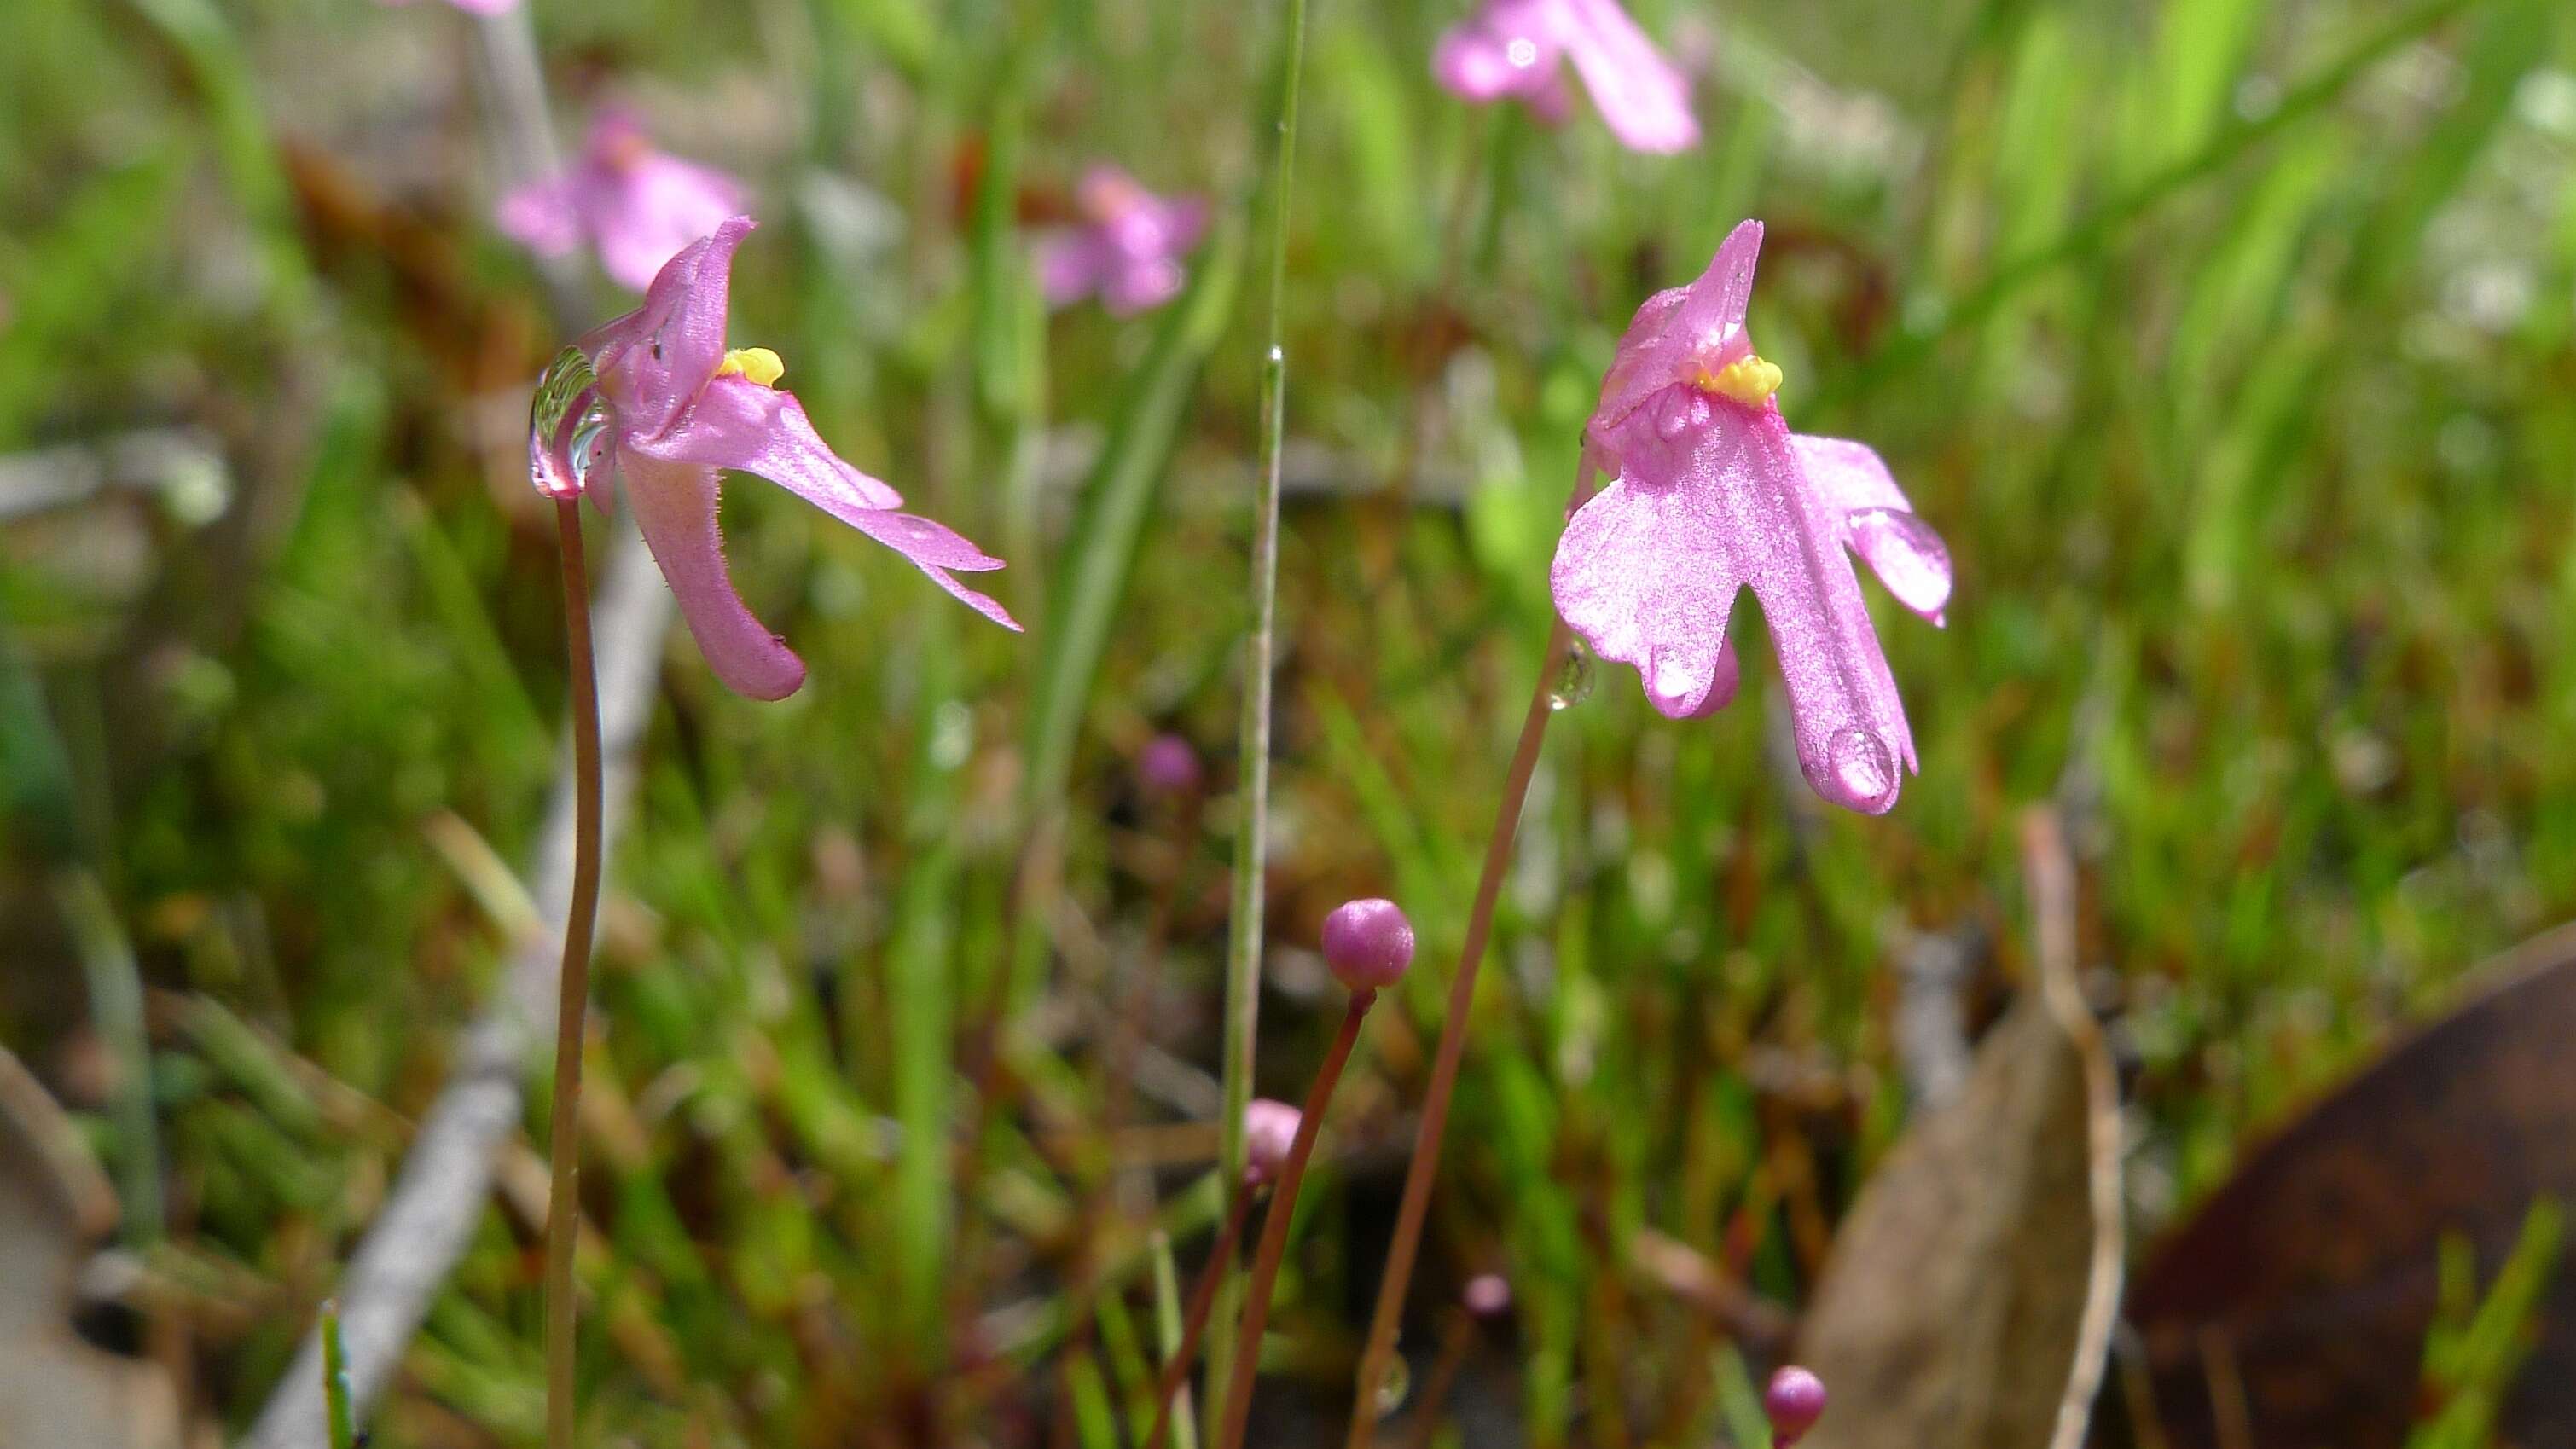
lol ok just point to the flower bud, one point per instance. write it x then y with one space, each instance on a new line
1487 1295
1368 943
1167 766
1269 1130
1794 1402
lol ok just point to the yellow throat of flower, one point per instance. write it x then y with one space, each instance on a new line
1747 380
765 367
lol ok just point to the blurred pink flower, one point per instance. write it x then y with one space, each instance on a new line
1127 248
680 409
637 205
1269 1132
474 7
1715 493
1514 48
1167 766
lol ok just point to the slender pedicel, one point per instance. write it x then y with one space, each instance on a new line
1274 1226
1416 1202
1487 1297
1270 1129
1368 943
563 1139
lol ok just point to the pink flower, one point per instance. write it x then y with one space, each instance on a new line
1127 248
672 409
638 206
1512 48
1715 493
475 7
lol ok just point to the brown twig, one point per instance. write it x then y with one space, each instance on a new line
2050 872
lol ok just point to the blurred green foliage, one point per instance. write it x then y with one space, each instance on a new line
2228 342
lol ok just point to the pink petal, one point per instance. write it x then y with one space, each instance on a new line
1642 97
1647 573
1069 265
739 424
934 549
675 506
652 208
1730 677
736 423
539 215
1134 286
653 361
1908 557
1508 48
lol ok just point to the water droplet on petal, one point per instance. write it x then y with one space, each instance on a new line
1864 773
1574 675
568 424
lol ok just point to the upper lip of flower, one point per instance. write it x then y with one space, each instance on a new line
1682 332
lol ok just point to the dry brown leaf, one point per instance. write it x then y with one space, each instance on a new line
1953 1313
1949 1309
2290 1312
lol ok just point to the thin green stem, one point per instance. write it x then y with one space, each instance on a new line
341 1424
1176 1368
563 1131
1416 1202
1274 1224
1251 844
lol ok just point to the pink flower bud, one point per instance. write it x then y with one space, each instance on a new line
1794 1401
1487 1295
1269 1131
1368 943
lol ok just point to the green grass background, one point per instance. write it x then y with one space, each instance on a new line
2230 343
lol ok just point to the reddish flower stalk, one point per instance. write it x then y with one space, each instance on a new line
563 1130
1274 1227
1454 1342
1416 1203
1194 1320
